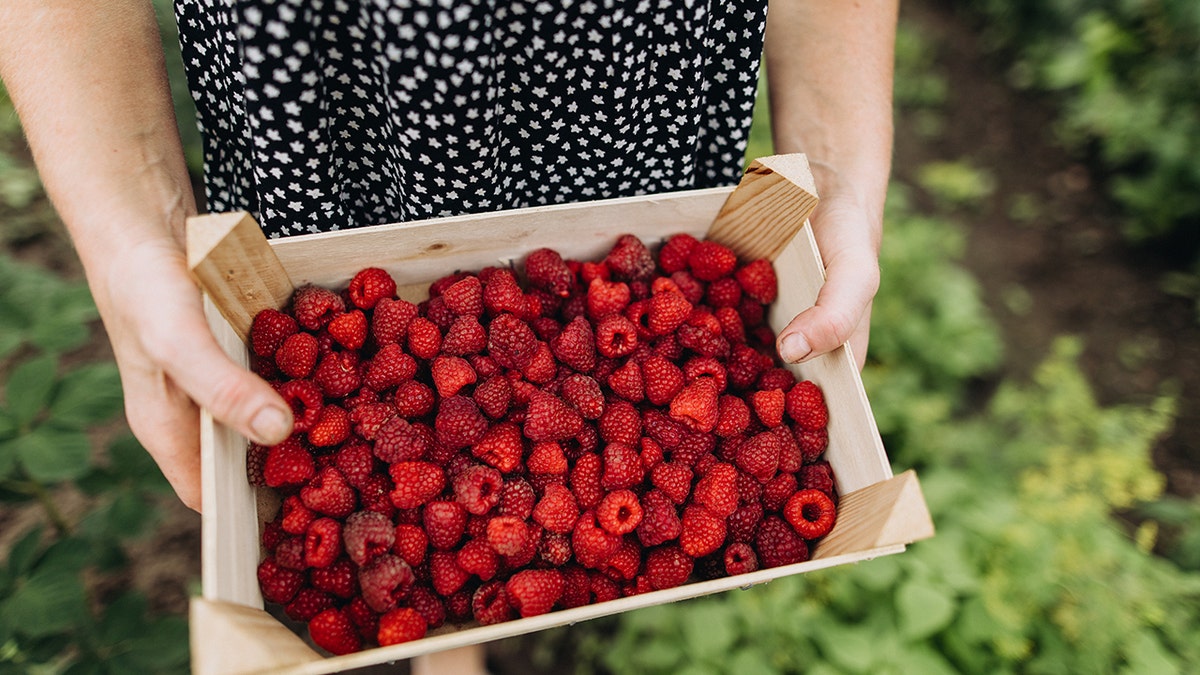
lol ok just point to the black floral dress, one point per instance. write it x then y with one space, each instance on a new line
320 115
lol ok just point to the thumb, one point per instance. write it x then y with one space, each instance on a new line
852 279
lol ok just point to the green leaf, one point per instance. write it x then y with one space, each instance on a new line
51 455
708 630
47 603
8 457
28 388
86 396
129 460
23 553
924 608
748 660
162 646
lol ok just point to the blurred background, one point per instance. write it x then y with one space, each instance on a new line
1035 355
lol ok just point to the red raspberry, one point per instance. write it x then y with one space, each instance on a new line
390 320
256 461
619 512
458 606
459 423
416 483
777 544
289 553
502 294
777 491
445 523
339 579
651 453
616 336
673 256
295 518
493 396
577 587
402 624
413 399
278 583
542 367
790 458
664 430
674 479
758 280
629 259
424 338
435 310
485 366
752 312
385 581
585 480
626 382
332 427
705 367
465 336
389 367
693 448
603 588
575 346
703 531
367 535
337 374
534 592
370 286
511 342
314 307
447 577
349 329
547 458
776 378
620 423
733 416
426 603
743 524
703 340
732 328
451 374
660 521
546 270
517 499
308 603
584 394
410 544
759 456
625 563
667 567
768 406
288 463
297 356
269 330
549 419
333 631
717 490
490 604
806 405
605 298
464 297
689 286
477 557
328 493
724 292
740 559
710 261
306 401
478 489
557 510
811 513
501 447
812 443
507 535
663 379
555 549
528 552
369 417
592 544
622 467
744 366
696 405
399 441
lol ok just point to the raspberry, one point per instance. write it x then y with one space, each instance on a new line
416 483
575 346
674 479
660 521
616 336
739 558
626 382
651 453
369 417
296 517
349 329
464 297
584 394
629 259
732 328
777 491
790 458
666 432
703 340
269 330
619 512
493 396
502 294
743 366
308 603
542 367
507 535
577 587
547 458
525 556
478 558
511 342
812 443
710 261
337 374
435 310
256 461
425 602
724 292
603 588
328 493
811 513
490 604
593 545
546 270
278 584
620 423
451 374
733 416
557 510
364 619
389 367
622 467
768 406
696 405
555 549
439 286
459 423
717 490
332 427
447 577
339 579
399 441
703 531
743 524
638 314
465 336
410 544
534 592
699 367
445 523
314 307
549 419
673 256
758 280
777 544
385 582
413 399
333 631
402 624
424 338
694 448
688 286
776 378
390 320
759 456
297 356
478 489
370 286
625 563
585 480
367 535
288 463
667 567
289 553
806 405
305 399
663 379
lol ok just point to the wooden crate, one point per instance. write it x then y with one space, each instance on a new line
765 216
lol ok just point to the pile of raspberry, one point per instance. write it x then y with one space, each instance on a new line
515 444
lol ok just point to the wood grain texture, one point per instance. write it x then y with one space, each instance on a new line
887 513
231 639
231 260
769 206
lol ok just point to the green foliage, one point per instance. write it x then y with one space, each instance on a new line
957 184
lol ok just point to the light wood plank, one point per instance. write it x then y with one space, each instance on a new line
769 206
884 514
231 639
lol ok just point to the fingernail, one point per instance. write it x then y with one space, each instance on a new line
793 348
270 425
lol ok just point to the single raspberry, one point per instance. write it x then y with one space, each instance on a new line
743 366
660 520
694 448
502 294
340 579
507 535
547 270
399 441
733 416
256 461
369 417
725 292
542 368
812 443
385 581
416 483
306 401
376 495
759 456
490 604
308 603
776 378
616 336
584 394
425 602
413 399
527 554
424 338
758 280
739 558
547 458
577 587
478 489
575 346
445 574
329 493
464 297
511 342
619 512
629 259
501 447
295 518
744 522
626 382
365 619
403 624
367 535
332 427
620 423
445 523
673 256
458 606
811 513
732 328
777 491
703 531
651 453
752 312
777 544
806 405
485 366
493 396
790 457
389 367
451 374
439 286
625 563
477 557
704 340
667 567
666 431
410 544
278 583
297 356
288 463
717 490
622 467
459 423
549 419
314 307
585 480
390 320
588 440
464 337
349 329
688 286
435 310
333 631
555 549
696 405
604 588
710 261
269 330
768 407
663 379
638 313
816 476
593 545
699 367
337 374
289 553
370 286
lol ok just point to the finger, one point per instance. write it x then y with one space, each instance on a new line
166 422
852 278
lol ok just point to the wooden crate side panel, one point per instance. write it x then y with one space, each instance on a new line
887 513
232 639
423 251
769 206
